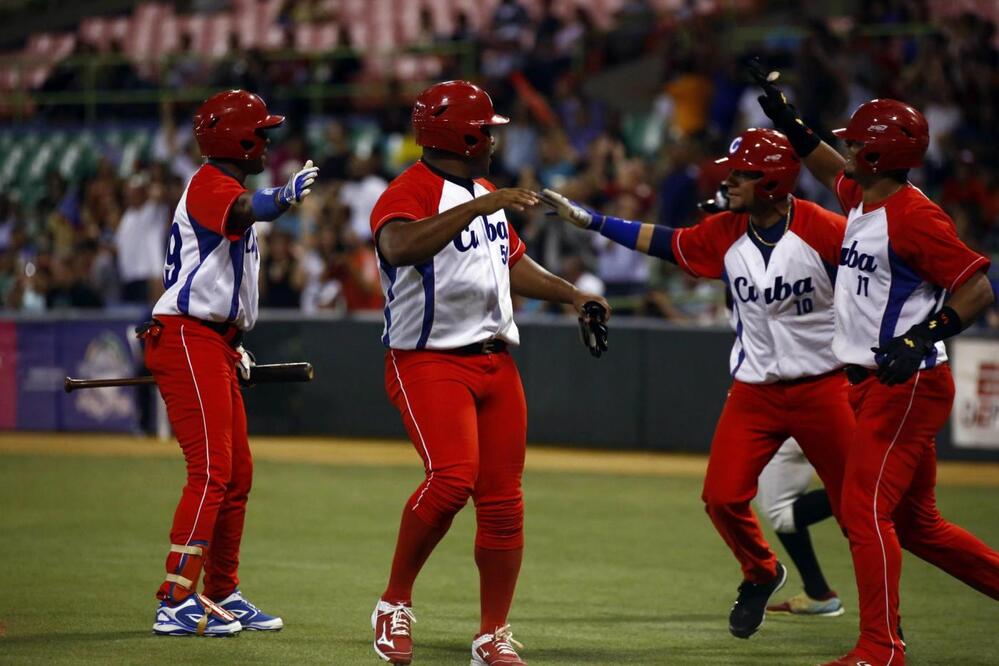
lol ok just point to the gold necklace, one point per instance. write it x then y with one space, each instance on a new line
787 225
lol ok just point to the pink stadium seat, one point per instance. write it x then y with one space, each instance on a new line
218 27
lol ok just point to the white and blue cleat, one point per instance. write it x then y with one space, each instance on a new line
195 616
249 616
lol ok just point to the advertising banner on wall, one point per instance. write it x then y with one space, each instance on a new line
975 418
35 357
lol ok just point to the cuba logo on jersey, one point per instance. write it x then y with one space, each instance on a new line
780 291
467 239
849 257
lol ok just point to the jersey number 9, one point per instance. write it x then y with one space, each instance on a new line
172 269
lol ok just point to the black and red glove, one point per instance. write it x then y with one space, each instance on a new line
593 327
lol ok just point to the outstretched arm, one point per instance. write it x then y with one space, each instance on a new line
651 239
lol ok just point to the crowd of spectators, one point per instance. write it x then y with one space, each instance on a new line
99 242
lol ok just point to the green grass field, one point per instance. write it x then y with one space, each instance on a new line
618 569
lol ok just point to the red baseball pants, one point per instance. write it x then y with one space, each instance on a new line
467 418
756 420
195 370
888 501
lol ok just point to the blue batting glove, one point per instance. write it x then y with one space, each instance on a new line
297 187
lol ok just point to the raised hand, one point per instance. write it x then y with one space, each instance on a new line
297 187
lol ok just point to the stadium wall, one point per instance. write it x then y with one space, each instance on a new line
660 387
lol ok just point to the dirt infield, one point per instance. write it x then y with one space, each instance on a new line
331 451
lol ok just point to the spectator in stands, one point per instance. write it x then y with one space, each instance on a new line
242 68
582 118
353 264
510 22
72 285
282 274
634 22
185 68
287 158
347 65
625 274
518 141
687 96
360 193
322 291
557 159
678 192
575 272
335 165
140 240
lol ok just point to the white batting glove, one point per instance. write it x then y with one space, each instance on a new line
245 364
568 210
297 187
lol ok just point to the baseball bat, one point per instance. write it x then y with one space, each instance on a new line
269 373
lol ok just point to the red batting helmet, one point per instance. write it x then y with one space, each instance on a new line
769 152
228 125
894 134
450 116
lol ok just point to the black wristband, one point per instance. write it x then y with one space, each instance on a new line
802 139
944 324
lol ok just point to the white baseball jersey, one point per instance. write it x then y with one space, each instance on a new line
899 259
782 303
462 294
209 274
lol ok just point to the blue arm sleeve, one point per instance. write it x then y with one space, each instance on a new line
265 205
625 232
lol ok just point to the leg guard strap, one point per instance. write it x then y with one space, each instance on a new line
180 580
187 550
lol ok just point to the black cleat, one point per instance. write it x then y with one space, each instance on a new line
750 608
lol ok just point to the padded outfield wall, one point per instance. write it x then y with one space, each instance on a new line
661 387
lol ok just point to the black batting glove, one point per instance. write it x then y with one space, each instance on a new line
773 101
593 328
903 355
783 114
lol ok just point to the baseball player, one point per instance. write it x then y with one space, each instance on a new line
449 262
777 255
905 284
192 349
790 508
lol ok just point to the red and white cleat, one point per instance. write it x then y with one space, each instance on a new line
393 632
496 649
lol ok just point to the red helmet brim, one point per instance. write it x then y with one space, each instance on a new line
271 121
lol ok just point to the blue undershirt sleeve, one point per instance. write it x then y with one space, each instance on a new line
625 232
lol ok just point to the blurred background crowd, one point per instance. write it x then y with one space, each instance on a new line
622 104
